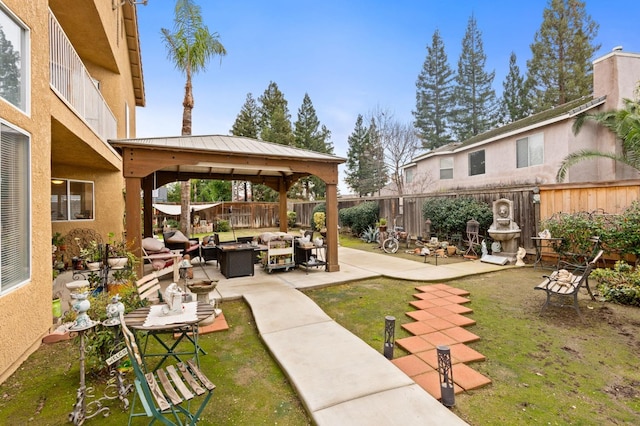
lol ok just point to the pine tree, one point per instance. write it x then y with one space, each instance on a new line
375 160
515 103
476 103
310 135
560 68
247 121
9 71
434 96
359 172
275 120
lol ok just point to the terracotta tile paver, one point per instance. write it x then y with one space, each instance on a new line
412 365
468 378
458 309
438 338
461 335
439 321
457 299
422 315
457 319
463 353
414 344
420 327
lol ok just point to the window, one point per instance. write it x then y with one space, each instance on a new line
446 168
530 151
408 175
71 200
476 163
14 56
15 208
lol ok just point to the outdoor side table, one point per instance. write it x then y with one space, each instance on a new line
182 328
538 243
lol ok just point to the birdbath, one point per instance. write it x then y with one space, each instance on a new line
202 290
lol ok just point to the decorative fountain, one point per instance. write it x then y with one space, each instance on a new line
504 230
202 289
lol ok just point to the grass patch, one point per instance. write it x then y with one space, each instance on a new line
549 369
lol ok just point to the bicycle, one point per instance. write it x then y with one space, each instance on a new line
392 243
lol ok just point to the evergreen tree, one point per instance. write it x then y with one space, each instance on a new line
246 124
247 121
275 120
434 96
375 159
310 135
475 98
560 68
359 172
515 103
9 71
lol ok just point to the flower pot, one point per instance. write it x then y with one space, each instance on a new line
56 308
451 250
93 266
118 262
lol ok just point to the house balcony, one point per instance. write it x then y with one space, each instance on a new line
73 84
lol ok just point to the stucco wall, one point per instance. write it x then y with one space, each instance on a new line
25 312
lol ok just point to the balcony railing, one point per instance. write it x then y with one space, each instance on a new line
72 82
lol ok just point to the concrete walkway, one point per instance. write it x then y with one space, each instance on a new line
339 378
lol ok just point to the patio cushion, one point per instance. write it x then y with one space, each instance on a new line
152 244
178 237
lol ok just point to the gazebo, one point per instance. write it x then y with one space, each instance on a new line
153 162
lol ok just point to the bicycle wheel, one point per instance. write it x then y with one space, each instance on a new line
390 245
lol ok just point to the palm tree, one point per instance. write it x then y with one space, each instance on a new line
624 123
189 47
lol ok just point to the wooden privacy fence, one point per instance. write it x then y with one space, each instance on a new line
531 204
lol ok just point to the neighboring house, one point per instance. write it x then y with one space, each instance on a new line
529 151
70 80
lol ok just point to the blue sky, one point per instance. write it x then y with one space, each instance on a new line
348 55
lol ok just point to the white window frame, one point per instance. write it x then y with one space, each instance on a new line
15 210
408 175
67 216
446 168
530 151
483 164
25 62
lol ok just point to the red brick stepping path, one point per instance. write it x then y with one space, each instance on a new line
439 320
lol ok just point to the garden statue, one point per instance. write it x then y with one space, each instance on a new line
520 256
485 251
173 298
114 309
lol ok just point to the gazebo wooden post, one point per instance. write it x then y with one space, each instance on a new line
133 185
282 211
332 227
147 207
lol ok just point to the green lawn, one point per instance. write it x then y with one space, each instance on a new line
549 369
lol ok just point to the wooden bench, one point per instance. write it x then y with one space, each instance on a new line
556 286
149 288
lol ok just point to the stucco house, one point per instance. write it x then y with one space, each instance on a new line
70 80
529 151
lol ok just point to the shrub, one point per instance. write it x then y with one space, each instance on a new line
359 217
450 215
223 226
622 233
575 229
291 219
620 284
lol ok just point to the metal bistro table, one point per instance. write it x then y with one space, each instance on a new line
182 329
539 245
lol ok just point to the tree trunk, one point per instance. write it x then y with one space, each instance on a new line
185 187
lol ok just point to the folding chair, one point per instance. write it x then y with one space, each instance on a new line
167 393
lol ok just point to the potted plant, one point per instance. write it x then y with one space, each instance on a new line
92 255
118 254
382 224
319 222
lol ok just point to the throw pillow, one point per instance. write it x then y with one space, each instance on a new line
178 237
152 244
